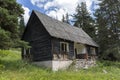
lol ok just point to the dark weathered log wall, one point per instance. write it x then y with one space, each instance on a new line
39 39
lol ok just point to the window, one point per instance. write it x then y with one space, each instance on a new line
64 50
92 50
64 47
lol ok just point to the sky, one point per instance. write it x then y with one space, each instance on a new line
54 8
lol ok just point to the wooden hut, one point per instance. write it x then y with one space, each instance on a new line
55 44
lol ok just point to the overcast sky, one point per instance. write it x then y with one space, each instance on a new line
54 8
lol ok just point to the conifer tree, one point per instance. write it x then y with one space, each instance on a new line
10 11
84 20
108 23
21 27
65 18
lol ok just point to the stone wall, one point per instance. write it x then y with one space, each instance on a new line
83 63
56 65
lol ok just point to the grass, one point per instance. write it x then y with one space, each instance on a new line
13 68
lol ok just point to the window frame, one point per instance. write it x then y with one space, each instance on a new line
65 47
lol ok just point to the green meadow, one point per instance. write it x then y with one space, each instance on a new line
13 68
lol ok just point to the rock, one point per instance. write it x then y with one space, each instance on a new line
104 71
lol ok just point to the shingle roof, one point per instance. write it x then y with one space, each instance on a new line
65 31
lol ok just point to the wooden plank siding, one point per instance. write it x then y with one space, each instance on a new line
39 40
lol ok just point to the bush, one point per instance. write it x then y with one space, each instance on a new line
112 54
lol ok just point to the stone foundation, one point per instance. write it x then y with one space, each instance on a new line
56 65
83 63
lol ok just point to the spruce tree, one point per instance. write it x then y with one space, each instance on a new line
84 20
5 41
65 18
108 23
21 27
10 11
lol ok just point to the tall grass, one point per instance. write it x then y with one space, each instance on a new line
13 68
